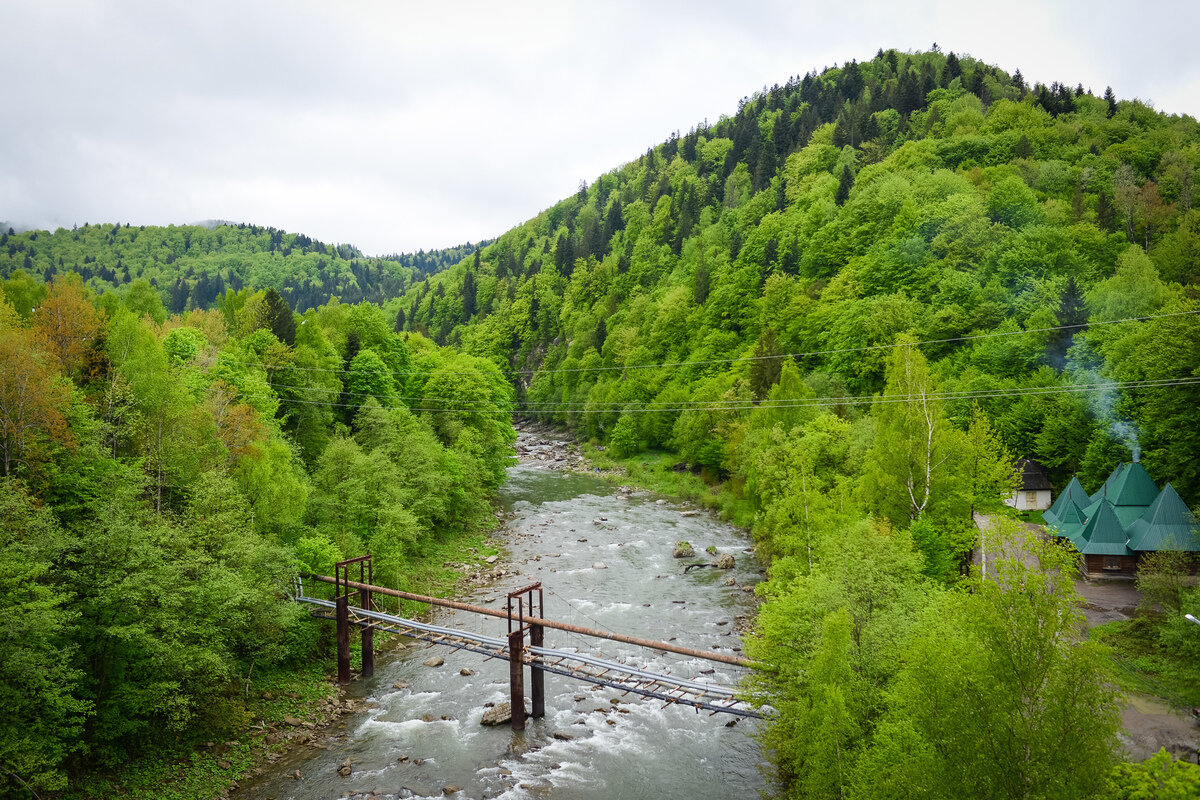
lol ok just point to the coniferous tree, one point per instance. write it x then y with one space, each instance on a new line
1018 81
279 317
844 184
951 69
1111 99
468 296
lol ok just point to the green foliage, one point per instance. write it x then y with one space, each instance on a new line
997 693
913 467
1159 777
624 439
39 678
147 557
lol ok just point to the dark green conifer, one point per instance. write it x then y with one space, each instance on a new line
279 317
844 184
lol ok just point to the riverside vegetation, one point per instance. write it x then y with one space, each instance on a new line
850 305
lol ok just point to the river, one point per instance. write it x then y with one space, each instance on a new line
562 527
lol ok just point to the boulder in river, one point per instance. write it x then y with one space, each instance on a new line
599 565
684 550
344 769
724 561
436 661
497 715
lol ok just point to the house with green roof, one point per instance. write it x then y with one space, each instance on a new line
1125 518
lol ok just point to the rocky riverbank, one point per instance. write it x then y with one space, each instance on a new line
548 447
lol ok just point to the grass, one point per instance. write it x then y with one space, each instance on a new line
1032 516
1143 665
192 771
654 471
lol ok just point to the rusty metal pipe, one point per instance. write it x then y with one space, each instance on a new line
549 623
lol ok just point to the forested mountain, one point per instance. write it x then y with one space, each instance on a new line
849 307
854 303
192 266
916 194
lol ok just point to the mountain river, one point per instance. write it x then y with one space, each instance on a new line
604 558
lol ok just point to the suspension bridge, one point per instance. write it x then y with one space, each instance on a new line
524 615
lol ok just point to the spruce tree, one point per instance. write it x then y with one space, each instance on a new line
844 184
279 317
468 296
1111 99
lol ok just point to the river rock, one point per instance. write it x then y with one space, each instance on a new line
294 722
684 550
345 769
724 561
497 715
599 565
491 559
566 737
399 685
450 789
436 661
465 671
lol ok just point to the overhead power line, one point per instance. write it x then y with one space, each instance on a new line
815 402
714 361
553 406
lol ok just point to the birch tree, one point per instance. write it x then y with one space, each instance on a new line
909 468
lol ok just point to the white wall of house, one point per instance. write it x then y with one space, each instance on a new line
1029 501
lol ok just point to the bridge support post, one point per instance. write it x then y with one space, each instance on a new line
516 678
368 640
537 678
343 638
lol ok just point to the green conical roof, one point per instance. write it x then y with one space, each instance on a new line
1068 521
1133 487
1103 534
1125 514
1104 489
1074 493
1166 525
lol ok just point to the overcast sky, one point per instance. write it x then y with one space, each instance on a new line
396 125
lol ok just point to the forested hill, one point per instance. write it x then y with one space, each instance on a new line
192 266
924 195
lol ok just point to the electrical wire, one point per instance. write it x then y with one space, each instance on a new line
797 403
554 405
710 362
